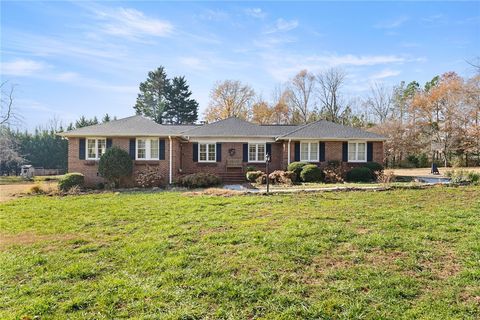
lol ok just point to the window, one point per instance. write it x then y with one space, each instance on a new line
309 151
147 149
96 148
207 152
357 152
256 152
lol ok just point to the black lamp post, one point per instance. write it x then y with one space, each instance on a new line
267 161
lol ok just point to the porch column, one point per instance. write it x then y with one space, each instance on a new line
288 148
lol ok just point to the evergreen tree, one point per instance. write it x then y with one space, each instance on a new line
151 100
166 101
84 122
106 118
180 108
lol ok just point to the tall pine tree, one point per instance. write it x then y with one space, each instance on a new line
166 101
151 99
180 108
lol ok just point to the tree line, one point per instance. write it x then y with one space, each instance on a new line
438 121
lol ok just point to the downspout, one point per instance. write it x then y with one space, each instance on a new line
170 180
288 148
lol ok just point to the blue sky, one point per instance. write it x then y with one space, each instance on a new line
87 58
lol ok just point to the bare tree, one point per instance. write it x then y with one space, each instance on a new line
281 110
301 91
230 98
379 102
7 113
330 83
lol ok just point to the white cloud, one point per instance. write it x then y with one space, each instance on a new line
386 73
193 63
391 24
214 15
282 25
132 23
283 66
22 67
255 12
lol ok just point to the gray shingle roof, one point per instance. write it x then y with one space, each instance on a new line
230 127
235 127
329 130
130 126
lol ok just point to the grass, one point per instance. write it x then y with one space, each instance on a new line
405 254
7 180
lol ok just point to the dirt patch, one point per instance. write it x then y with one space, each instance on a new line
12 191
28 238
214 192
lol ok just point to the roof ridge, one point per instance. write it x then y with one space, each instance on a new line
300 128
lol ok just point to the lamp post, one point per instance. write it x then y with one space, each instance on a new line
267 161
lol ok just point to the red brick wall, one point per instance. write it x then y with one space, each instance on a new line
182 158
89 168
189 166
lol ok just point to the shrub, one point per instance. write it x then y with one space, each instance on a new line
252 176
296 167
282 177
262 179
423 160
36 189
148 177
71 180
413 160
250 168
360 174
385 177
463 176
334 163
311 173
199 180
373 166
114 165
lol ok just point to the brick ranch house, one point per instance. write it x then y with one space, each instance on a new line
224 147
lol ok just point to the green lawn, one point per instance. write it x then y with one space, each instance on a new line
403 254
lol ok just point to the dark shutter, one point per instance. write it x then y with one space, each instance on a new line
297 151
195 152
109 143
245 152
369 151
131 149
161 149
269 150
219 152
81 148
345 152
321 152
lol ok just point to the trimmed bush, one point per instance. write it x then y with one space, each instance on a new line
71 180
200 180
360 174
114 165
250 168
148 178
311 173
373 166
296 167
282 177
252 176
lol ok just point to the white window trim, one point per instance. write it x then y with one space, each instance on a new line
148 150
256 152
356 152
207 144
309 143
96 147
